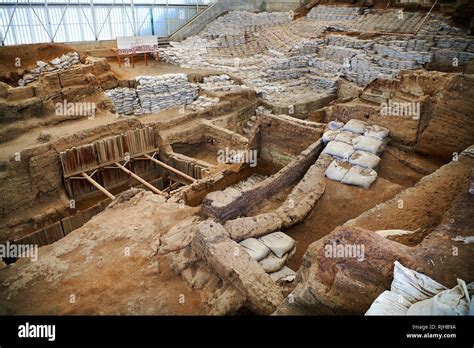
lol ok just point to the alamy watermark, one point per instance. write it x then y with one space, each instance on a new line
355 251
401 109
15 251
84 109
28 330
228 155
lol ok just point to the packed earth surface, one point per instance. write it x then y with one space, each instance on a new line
274 163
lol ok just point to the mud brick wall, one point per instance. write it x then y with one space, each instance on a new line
281 140
218 205
76 82
38 175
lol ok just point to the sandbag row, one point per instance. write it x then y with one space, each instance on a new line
271 252
154 94
355 147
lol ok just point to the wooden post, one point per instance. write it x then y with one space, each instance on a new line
171 169
98 186
136 177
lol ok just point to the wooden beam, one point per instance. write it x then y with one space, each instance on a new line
98 186
171 187
171 169
136 177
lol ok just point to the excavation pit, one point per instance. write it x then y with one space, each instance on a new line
225 140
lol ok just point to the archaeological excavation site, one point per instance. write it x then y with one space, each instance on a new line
237 158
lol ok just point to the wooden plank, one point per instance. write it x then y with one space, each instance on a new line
109 163
136 177
171 169
98 186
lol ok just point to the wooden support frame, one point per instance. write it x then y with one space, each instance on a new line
171 169
139 179
98 186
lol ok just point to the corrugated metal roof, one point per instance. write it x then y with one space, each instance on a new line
33 21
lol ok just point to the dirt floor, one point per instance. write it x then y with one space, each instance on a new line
341 203
48 124
107 267
153 68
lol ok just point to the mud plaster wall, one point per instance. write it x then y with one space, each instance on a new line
281 140
77 82
446 123
36 179
248 199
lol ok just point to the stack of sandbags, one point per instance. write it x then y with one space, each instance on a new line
235 23
271 252
414 293
202 103
124 100
356 147
154 94
218 83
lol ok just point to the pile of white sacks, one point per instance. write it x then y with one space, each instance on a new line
125 100
56 64
203 102
242 21
218 83
356 147
413 293
271 252
154 94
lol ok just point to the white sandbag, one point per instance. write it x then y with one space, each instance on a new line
338 149
364 159
335 125
346 137
355 126
454 301
278 242
272 263
256 249
376 131
369 144
414 286
329 136
389 303
284 275
358 176
337 170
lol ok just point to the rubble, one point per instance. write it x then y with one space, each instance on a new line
288 67
56 64
246 210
